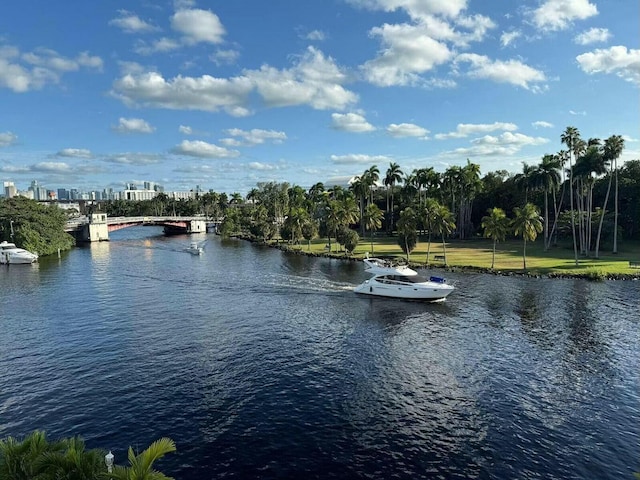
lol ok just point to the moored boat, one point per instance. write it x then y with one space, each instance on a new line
400 281
9 253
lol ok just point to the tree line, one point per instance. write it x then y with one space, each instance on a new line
35 227
580 194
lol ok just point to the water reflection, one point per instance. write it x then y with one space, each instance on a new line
262 364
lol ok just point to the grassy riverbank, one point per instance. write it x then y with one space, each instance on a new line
476 254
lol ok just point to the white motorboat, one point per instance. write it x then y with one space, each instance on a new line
195 248
9 253
400 281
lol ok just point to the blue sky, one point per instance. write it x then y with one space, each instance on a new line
225 94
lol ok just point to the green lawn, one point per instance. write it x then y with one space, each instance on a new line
476 253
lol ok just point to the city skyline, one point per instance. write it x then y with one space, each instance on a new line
228 94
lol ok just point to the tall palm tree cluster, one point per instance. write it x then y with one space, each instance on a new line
572 189
37 458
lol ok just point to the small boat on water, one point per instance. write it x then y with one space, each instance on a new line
9 253
400 281
196 248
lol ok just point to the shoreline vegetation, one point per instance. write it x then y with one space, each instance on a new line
475 256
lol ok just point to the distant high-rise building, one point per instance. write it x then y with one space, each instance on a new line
74 194
39 192
10 190
63 194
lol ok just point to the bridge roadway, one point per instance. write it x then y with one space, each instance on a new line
117 223
97 226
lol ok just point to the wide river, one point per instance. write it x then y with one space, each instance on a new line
262 364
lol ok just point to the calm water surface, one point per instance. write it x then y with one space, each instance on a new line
261 364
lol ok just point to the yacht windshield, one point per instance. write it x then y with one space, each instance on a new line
402 278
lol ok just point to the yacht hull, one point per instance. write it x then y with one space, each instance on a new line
417 292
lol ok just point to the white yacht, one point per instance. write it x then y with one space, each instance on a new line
196 248
9 253
400 281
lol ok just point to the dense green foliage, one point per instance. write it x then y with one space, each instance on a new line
37 458
37 228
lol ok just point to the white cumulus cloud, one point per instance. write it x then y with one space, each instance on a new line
507 38
465 129
7 138
133 125
75 153
407 130
623 62
33 70
542 124
408 51
131 23
417 9
351 122
560 14
314 80
357 158
253 137
593 35
198 148
262 166
204 93
511 71
198 26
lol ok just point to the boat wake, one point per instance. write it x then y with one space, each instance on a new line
306 284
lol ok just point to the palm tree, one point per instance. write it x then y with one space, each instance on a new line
74 463
18 458
549 180
372 175
332 218
451 185
360 187
236 198
407 235
570 138
427 214
295 221
527 179
253 196
496 225
393 176
443 224
528 224
141 466
613 147
471 185
587 168
372 220
316 191
310 231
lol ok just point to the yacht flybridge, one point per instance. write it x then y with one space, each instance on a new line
400 281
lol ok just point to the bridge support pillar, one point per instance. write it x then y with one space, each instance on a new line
198 226
96 230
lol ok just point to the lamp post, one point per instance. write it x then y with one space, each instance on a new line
108 459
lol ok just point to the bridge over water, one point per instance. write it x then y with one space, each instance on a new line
96 227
